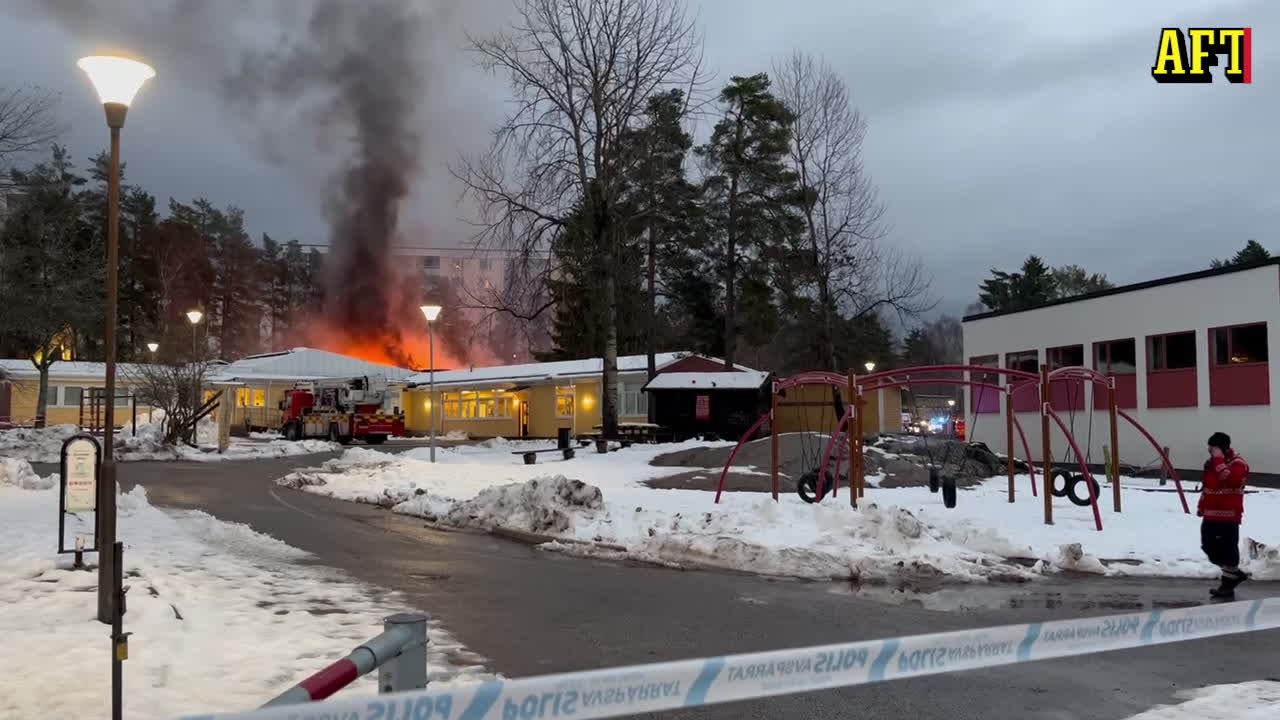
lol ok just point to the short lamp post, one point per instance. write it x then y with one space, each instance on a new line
431 312
117 80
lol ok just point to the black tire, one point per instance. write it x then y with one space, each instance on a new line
949 492
375 439
1079 494
1060 491
293 432
333 433
935 481
807 486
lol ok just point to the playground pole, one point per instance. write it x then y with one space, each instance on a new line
1115 443
1008 423
859 424
1047 461
855 455
773 436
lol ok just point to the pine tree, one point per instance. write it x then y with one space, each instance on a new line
748 194
1033 285
1252 252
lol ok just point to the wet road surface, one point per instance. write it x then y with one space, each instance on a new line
531 611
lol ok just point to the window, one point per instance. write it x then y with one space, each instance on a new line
631 401
1118 359
122 398
452 405
51 395
1065 395
259 397
486 264
983 399
243 397
71 395
472 405
1026 361
1239 373
458 265
1176 351
431 262
564 402
1240 345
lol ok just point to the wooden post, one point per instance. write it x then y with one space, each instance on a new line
773 437
1115 444
1008 448
1164 466
855 455
1046 447
859 408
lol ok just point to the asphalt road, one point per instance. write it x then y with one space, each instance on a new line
531 612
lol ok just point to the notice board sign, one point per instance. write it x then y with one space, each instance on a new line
702 408
81 465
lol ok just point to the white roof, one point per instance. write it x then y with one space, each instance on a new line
545 372
303 364
22 369
739 380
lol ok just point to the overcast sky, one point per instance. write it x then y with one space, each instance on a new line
997 129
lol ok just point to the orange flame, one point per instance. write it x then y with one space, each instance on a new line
409 350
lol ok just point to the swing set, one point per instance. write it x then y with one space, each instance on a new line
846 441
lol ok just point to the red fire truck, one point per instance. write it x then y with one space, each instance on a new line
340 410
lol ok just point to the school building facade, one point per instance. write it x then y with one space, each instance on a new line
1189 354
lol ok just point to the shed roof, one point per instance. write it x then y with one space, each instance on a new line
739 380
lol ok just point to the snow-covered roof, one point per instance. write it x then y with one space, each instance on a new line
544 372
303 364
22 369
739 380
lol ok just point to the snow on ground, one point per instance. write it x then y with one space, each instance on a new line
903 532
44 445
223 618
1258 700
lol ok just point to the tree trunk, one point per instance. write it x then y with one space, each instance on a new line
609 394
42 400
730 278
652 330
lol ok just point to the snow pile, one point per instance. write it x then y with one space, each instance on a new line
897 532
18 473
546 506
1257 700
35 444
223 618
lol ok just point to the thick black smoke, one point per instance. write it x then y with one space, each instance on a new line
327 88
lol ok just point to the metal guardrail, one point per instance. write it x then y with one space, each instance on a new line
399 654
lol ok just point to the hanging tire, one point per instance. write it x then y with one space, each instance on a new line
807 486
1079 494
1061 489
949 492
934 481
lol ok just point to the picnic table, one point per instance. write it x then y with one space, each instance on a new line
633 431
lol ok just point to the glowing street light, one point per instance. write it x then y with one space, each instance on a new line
870 366
951 403
194 316
153 347
117 80
431 312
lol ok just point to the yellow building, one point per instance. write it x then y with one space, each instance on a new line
882 412
536 399
257 384
71 384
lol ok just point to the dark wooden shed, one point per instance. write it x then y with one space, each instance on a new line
723 404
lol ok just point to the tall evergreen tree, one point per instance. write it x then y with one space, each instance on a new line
1073 280
1252 252
748 193
51 277
1032 285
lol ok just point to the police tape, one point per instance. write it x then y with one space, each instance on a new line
690 683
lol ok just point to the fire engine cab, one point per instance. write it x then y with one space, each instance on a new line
340 410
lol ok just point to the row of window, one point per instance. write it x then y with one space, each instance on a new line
1238 371
432 262
491 405
70 395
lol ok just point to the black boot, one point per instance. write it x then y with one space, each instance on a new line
1227 586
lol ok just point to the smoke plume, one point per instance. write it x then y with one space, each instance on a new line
329 88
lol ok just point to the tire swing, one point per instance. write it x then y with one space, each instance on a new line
811 458
1073 484
947 484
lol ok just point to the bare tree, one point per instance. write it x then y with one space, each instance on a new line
850 272
174 389
581 72
27 124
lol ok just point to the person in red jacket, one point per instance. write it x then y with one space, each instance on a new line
1222 507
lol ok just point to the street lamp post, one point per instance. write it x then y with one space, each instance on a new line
870 366
117 80
194 317
153 347
432 312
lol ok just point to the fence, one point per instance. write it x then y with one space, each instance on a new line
656 687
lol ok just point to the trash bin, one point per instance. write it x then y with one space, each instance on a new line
562 438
